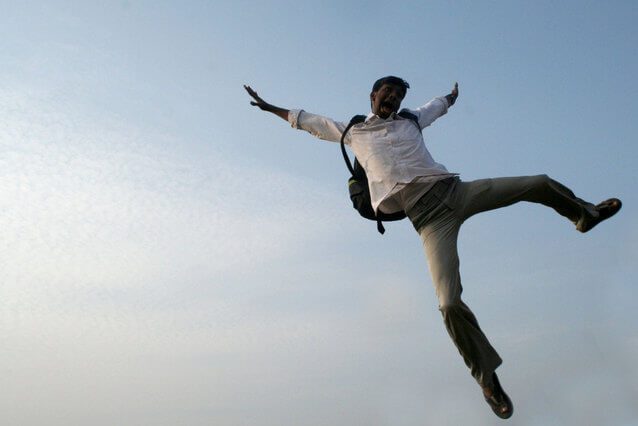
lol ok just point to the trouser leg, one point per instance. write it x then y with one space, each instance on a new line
440 242
438 217
487 194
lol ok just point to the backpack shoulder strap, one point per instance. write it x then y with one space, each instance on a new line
405 113
380 227
354 120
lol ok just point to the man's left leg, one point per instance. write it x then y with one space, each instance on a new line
469 198
488 194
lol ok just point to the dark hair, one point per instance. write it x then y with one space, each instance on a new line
390 79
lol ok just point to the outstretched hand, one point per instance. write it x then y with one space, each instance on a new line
265 106
451 98
259 102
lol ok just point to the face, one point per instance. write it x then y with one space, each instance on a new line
387 100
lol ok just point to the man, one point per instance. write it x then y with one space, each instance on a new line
403 176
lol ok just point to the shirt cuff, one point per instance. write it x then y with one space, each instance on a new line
446 104
293 117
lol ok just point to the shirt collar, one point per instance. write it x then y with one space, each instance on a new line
373 117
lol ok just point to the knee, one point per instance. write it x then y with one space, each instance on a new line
539 182
448 305
542 180
449 295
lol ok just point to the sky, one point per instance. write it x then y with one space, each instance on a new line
172 255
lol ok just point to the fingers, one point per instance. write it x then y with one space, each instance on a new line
252 93
258 102
455 91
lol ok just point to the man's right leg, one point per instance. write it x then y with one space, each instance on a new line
438 225
440 243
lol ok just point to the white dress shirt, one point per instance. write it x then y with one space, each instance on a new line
399 167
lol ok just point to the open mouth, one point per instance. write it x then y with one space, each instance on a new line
387 106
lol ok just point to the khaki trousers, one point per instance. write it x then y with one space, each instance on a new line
438 216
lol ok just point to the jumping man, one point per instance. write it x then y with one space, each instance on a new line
403 176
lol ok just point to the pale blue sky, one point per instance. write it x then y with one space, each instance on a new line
172 255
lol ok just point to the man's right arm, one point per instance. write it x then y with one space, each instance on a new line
265 106
321 127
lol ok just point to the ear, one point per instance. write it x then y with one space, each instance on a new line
372 96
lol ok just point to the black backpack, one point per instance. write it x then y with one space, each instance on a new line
358 182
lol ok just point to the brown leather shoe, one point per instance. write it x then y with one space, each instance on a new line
605 209
498 400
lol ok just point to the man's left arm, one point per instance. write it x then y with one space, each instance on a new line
436 107
451 98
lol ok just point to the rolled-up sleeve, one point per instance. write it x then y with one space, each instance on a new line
318 126
431 111
293 117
